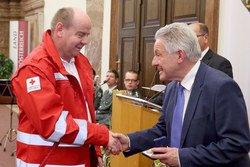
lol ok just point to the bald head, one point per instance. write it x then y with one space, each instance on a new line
66 16
80 16
202 33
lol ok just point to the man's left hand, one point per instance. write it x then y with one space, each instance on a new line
99 161
167 155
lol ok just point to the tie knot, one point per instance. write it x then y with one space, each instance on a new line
180 88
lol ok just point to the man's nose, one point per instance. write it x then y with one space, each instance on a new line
84 40
154 62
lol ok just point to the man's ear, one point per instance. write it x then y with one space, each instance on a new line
116 80
205 38
59 29
181 56
137 82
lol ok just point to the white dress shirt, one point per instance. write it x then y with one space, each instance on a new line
187 83
71 68
204 52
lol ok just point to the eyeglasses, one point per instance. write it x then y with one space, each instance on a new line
200 35
132 80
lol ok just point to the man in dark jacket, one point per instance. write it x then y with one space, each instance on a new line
104 112
208 56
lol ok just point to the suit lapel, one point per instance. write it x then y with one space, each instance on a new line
207 57
193 101
168 107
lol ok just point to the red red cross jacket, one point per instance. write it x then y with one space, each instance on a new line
52 109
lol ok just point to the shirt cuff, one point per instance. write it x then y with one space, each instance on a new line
178 158
128 144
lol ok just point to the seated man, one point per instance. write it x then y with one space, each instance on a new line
104 112
131 83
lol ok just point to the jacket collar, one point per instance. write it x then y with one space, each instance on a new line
193 100
207 56
52 51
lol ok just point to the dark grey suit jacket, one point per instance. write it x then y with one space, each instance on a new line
215 128
218 62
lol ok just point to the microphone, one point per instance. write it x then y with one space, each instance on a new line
151 84
105 81
155 95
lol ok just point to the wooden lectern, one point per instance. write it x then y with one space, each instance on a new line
128 117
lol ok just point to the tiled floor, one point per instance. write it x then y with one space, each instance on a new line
6 160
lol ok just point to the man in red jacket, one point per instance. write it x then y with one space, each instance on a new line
54 90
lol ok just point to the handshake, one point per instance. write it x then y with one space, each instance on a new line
166 155
117 143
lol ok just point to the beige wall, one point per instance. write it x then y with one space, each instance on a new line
233 42
94 48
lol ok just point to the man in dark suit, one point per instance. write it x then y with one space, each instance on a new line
213 127
208 56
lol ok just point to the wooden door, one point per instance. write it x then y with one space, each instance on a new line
153 17
136 24
128 38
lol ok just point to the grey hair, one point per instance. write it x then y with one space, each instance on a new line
179 36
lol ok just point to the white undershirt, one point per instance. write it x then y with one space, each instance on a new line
71 68
204 52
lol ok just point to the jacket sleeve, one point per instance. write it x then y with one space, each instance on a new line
226 67
98 151
42 106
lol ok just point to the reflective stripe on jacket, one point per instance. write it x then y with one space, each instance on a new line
52 109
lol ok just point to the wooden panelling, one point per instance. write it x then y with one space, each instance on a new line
129 28
128 52
150 23
146 63
212 21
186 11
149 16
129 14
152 13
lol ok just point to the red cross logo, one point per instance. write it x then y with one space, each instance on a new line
32 81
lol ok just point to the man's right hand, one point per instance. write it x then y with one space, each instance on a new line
114 144
124 140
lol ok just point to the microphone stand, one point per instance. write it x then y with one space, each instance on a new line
151 84
9 136
155 95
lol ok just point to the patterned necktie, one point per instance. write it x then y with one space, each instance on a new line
177 119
